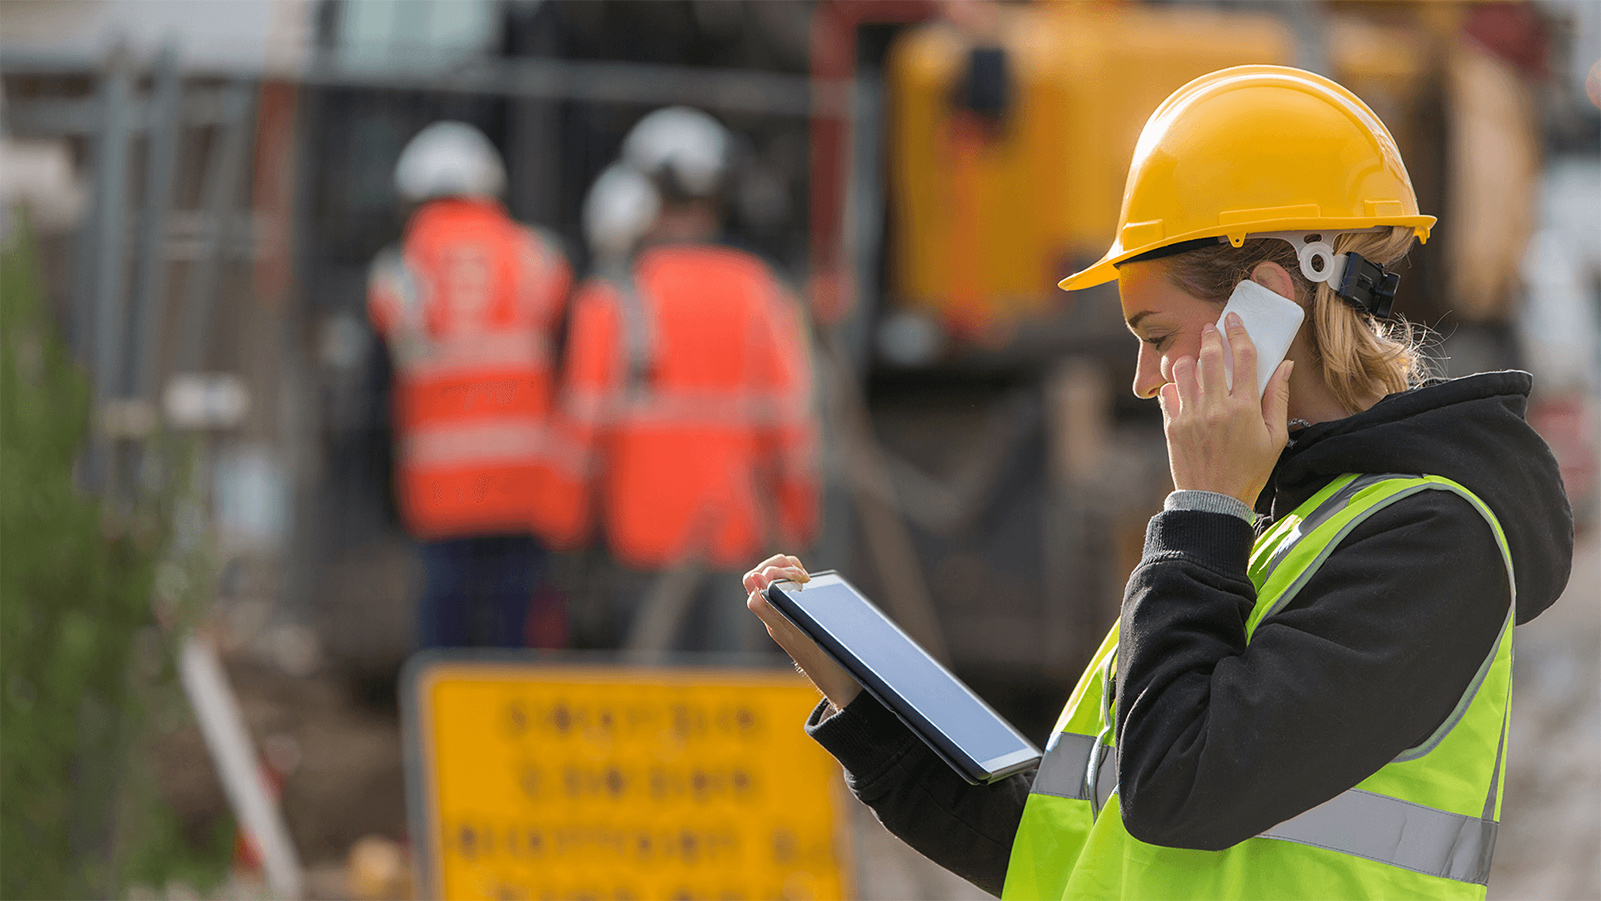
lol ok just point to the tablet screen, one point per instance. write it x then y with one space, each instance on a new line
919 680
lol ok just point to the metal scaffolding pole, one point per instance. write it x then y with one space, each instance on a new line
102 306
726 90
223 173
148 310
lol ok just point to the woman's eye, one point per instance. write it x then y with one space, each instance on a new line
1156 341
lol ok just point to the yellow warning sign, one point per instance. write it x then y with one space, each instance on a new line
561 782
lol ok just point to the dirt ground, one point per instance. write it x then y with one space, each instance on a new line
1549 846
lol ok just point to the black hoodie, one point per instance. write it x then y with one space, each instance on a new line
1218 741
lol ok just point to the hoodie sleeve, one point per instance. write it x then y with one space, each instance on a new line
965 828
1219 740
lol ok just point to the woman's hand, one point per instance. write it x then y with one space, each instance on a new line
830 678
1221 439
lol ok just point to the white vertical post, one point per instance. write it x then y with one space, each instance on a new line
242 779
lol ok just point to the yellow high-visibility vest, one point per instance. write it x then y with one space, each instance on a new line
1421 827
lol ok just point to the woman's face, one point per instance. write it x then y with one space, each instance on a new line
1165 318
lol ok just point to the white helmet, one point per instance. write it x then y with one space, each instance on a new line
621 206
684 149
449 159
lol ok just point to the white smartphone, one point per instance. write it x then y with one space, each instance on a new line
1270 319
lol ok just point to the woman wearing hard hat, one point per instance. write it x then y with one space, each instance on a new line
1315 707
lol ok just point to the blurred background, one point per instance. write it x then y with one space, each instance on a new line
210 436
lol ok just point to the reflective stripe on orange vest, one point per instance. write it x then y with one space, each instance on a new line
746 409
499 442
470 355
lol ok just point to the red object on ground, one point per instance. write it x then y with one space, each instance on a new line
246 856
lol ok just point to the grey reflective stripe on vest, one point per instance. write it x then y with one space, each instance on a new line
1332 505
1396 832
1294 588
639 333
1065 769
1356 822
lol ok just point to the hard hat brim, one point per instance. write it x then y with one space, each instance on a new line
1105 269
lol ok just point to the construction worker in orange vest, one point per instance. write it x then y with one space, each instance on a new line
466 304
686 395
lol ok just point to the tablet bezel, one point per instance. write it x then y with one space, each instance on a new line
973 771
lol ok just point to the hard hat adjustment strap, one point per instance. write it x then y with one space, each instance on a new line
1365 285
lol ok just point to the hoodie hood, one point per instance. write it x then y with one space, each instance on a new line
1470 430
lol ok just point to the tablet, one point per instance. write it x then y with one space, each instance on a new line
944 713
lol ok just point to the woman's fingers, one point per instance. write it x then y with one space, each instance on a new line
1210 372
829 677
776 559
759 580
1243 350
795 643
791 639
1276 403
758 604
774 568
779 573
1168 398
1217 440
1184 382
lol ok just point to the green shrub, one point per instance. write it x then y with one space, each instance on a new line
75 589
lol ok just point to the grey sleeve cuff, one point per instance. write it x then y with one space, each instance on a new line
1209 502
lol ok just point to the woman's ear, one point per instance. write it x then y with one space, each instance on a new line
1275 278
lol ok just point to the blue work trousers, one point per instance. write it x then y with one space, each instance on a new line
476 591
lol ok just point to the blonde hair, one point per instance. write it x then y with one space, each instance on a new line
1360 357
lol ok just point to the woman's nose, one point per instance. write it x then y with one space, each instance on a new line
1148 372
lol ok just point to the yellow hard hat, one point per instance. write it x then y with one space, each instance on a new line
1256 149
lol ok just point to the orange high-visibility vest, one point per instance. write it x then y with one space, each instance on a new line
686 413
467 304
